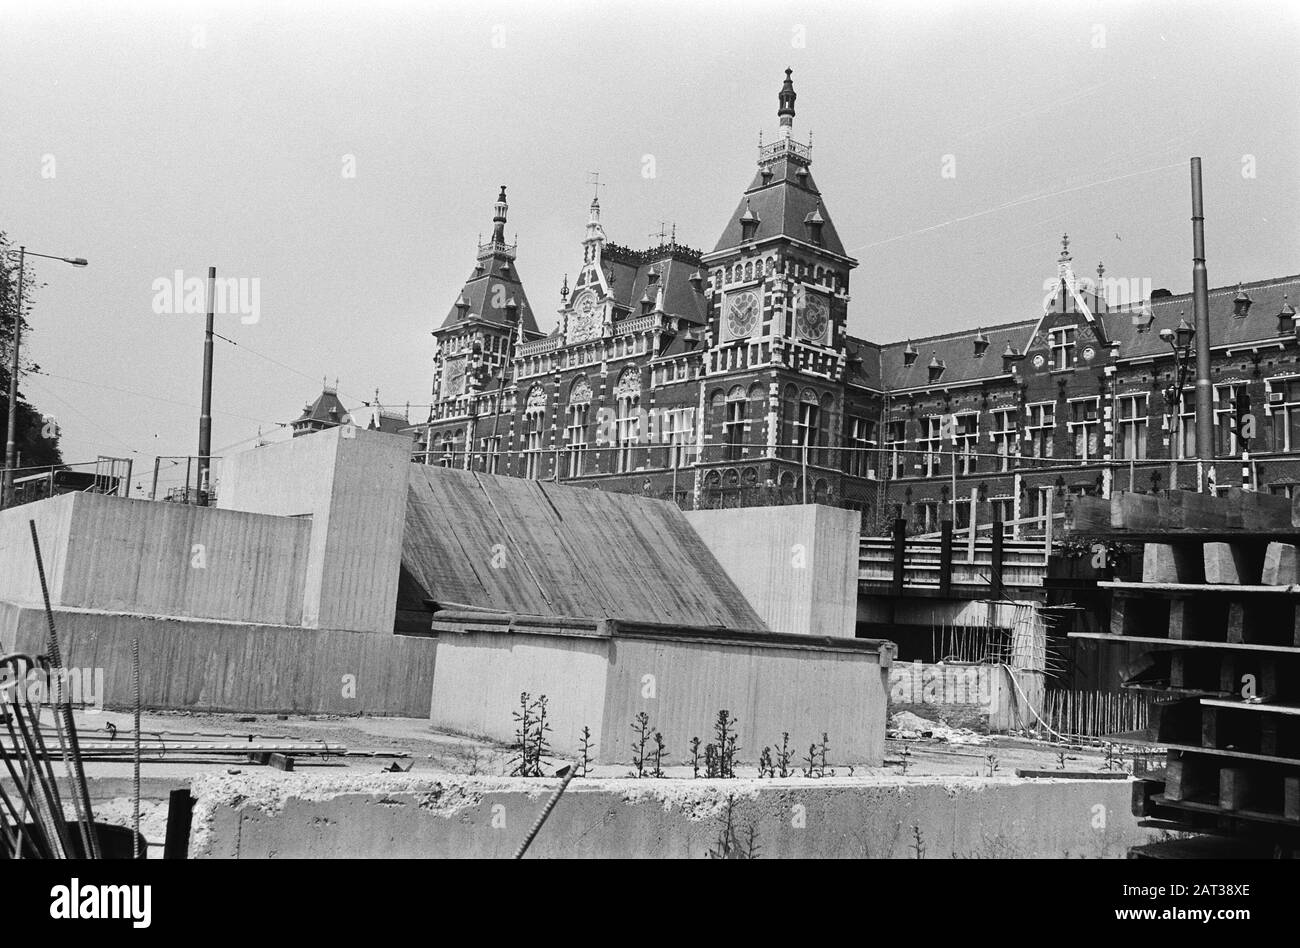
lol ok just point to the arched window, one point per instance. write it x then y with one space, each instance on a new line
534 431
734 424
627 429
579 416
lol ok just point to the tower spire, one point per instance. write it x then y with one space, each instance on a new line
499 218
785 113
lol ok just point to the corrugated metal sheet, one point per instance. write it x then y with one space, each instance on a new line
536 548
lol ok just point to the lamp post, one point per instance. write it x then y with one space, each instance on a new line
1180 341
11 438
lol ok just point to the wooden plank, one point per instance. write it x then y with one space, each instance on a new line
1232 563
1133 511
1185 643
1251 706
1089 515
1183 589
1260 511
1179 563
945 557
1280 565
1190 778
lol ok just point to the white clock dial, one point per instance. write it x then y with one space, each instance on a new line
742 313
813 315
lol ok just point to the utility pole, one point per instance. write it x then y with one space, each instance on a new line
1201 320
11 438
205 418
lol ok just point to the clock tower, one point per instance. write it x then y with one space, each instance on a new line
778 295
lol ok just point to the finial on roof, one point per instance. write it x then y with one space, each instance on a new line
1287 308
785 99
1065 247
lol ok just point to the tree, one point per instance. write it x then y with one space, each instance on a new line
38 436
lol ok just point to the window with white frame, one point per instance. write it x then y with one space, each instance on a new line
447 456
490 454
679 434
931 444
1185 440
534 423
626 431
1131 427
1283 414
1040 429
966 429
577 439
896 447
1085 427
734 426
862 440
1003 435
1003 510
1061 341
805 426
1226 444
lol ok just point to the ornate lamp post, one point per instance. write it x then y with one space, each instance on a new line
1180 341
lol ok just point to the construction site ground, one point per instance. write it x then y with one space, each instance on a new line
375 744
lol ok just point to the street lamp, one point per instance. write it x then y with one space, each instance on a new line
11 439
1180 341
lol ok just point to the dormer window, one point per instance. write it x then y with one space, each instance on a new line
813 223
909 354
1143 317
981 343
749 222
1241 303
1286 316
936 367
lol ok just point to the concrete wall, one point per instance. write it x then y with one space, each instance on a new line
205 665
262 816
116 554
353 483
603 674
985 698
797 566
19 581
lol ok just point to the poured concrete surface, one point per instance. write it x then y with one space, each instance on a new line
258 816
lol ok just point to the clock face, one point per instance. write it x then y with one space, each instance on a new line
453 377
742 313
1038 361
1089 353
814 314
585 321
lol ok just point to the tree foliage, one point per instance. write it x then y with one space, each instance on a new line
38 442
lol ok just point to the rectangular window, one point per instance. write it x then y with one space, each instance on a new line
577 438
533 444
681 438
1004 436
931 444
896 448
1226 444
447 456
805 429
490 453
860 453
1186 434
1131 427
1085 428
1284 415
1003 510
1040 431
626 433
734 428
966 428
1061 341
927 515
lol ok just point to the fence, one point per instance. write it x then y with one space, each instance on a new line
104 475
1075 716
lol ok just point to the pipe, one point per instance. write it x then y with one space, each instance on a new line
1201 315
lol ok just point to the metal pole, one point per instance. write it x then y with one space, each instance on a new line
205 417
11 438
1201 314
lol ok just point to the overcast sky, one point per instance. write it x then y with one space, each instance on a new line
152 138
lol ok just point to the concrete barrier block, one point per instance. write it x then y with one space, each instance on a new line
1172 563
1281 567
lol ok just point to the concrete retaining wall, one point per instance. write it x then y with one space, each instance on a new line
986 698
797 566
112 553
353 483
204 665
260 816
603 674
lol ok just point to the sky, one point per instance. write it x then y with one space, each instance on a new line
343 159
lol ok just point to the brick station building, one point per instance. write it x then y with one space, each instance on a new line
728 378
